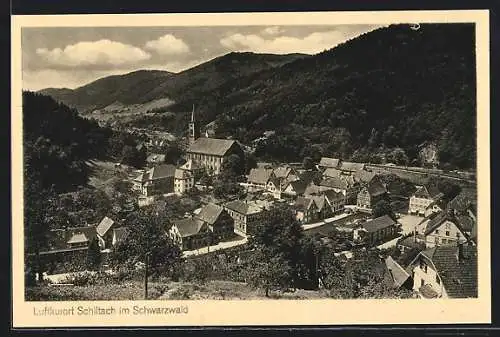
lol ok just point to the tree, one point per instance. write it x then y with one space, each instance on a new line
133 157
147 236
268 273
93 255
308 163
381 208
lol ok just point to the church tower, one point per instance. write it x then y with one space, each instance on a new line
193 130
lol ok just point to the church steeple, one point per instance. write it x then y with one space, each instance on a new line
193 131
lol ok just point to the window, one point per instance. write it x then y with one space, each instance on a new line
438 281
437 231
422 283
447 233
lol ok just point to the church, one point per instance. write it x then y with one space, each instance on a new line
207 152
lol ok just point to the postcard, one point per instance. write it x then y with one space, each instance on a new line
249 169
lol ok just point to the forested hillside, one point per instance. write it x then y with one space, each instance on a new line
377 98
389 89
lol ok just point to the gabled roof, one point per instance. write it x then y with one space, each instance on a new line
246 208
104 226
320 201
211 146
259 175
189 226
299 186
121 233
437 220
399 275
335 182
313 189
304 203
210 213
376 188
457 268
78 238
428 192
282 171
352 167
329 162
161 171
466 199
364 176
378 223
332 172
332 195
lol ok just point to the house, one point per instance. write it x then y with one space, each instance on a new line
285 174
157 180
465 202
445 272
444 229
344 184
246 214
190 233
323 204
274 185
332 172
422 198
155 159
220 223
78 237
371 194
399 276
183 181
351 167
295 188
365 177
209 153
306 210
336 200
195 170
259 177
380 229
120 234
434 207
105 233
326 163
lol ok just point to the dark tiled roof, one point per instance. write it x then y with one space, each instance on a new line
210 213
182 174
335 182
189 226
304 203
161 171
438 220
329 162
320 201
378 223
309 176
376 189
457 270
238 206
350 166
211 146
364 176
104 226
332 172
332 195
298 186
259 175
466 199
428 192
282 171
399 275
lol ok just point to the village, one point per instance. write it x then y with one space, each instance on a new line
352 201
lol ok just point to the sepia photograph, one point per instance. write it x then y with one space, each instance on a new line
249 161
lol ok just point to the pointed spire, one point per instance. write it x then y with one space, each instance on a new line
192 114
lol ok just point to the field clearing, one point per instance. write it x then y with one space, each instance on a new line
212 290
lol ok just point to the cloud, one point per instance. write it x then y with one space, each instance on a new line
275 30
95 54
310 44
167 45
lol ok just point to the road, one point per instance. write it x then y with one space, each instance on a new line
325 221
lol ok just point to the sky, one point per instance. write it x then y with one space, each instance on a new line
69 57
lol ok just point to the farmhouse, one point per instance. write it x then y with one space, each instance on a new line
445 272
158 180
306 209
